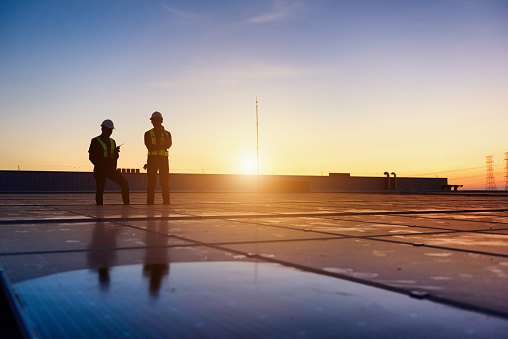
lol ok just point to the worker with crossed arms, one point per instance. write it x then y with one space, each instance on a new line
158 141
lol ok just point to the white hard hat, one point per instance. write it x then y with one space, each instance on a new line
108 123
156 115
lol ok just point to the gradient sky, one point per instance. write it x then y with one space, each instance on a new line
412 87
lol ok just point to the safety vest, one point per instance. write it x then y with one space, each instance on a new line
105 148
162 152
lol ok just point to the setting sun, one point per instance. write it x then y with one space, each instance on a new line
249 165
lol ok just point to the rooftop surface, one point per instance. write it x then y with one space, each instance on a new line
229 265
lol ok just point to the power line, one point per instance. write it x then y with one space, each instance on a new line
450 171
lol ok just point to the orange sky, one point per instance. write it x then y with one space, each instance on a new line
416 88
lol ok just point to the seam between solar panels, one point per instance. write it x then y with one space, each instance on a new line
239 216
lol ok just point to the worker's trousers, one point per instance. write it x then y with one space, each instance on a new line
157 163
101 174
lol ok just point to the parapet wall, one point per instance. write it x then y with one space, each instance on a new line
46 181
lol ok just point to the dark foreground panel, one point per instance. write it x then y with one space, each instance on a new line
232 300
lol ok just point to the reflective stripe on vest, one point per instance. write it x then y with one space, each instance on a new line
162 152
105 148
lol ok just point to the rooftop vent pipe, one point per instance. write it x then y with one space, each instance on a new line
387 180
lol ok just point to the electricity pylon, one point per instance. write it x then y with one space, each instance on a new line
490 183
506 171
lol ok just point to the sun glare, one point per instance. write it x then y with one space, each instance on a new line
249 166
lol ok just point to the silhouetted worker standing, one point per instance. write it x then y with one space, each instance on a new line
158 141
104 154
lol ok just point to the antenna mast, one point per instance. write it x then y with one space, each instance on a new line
257 141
